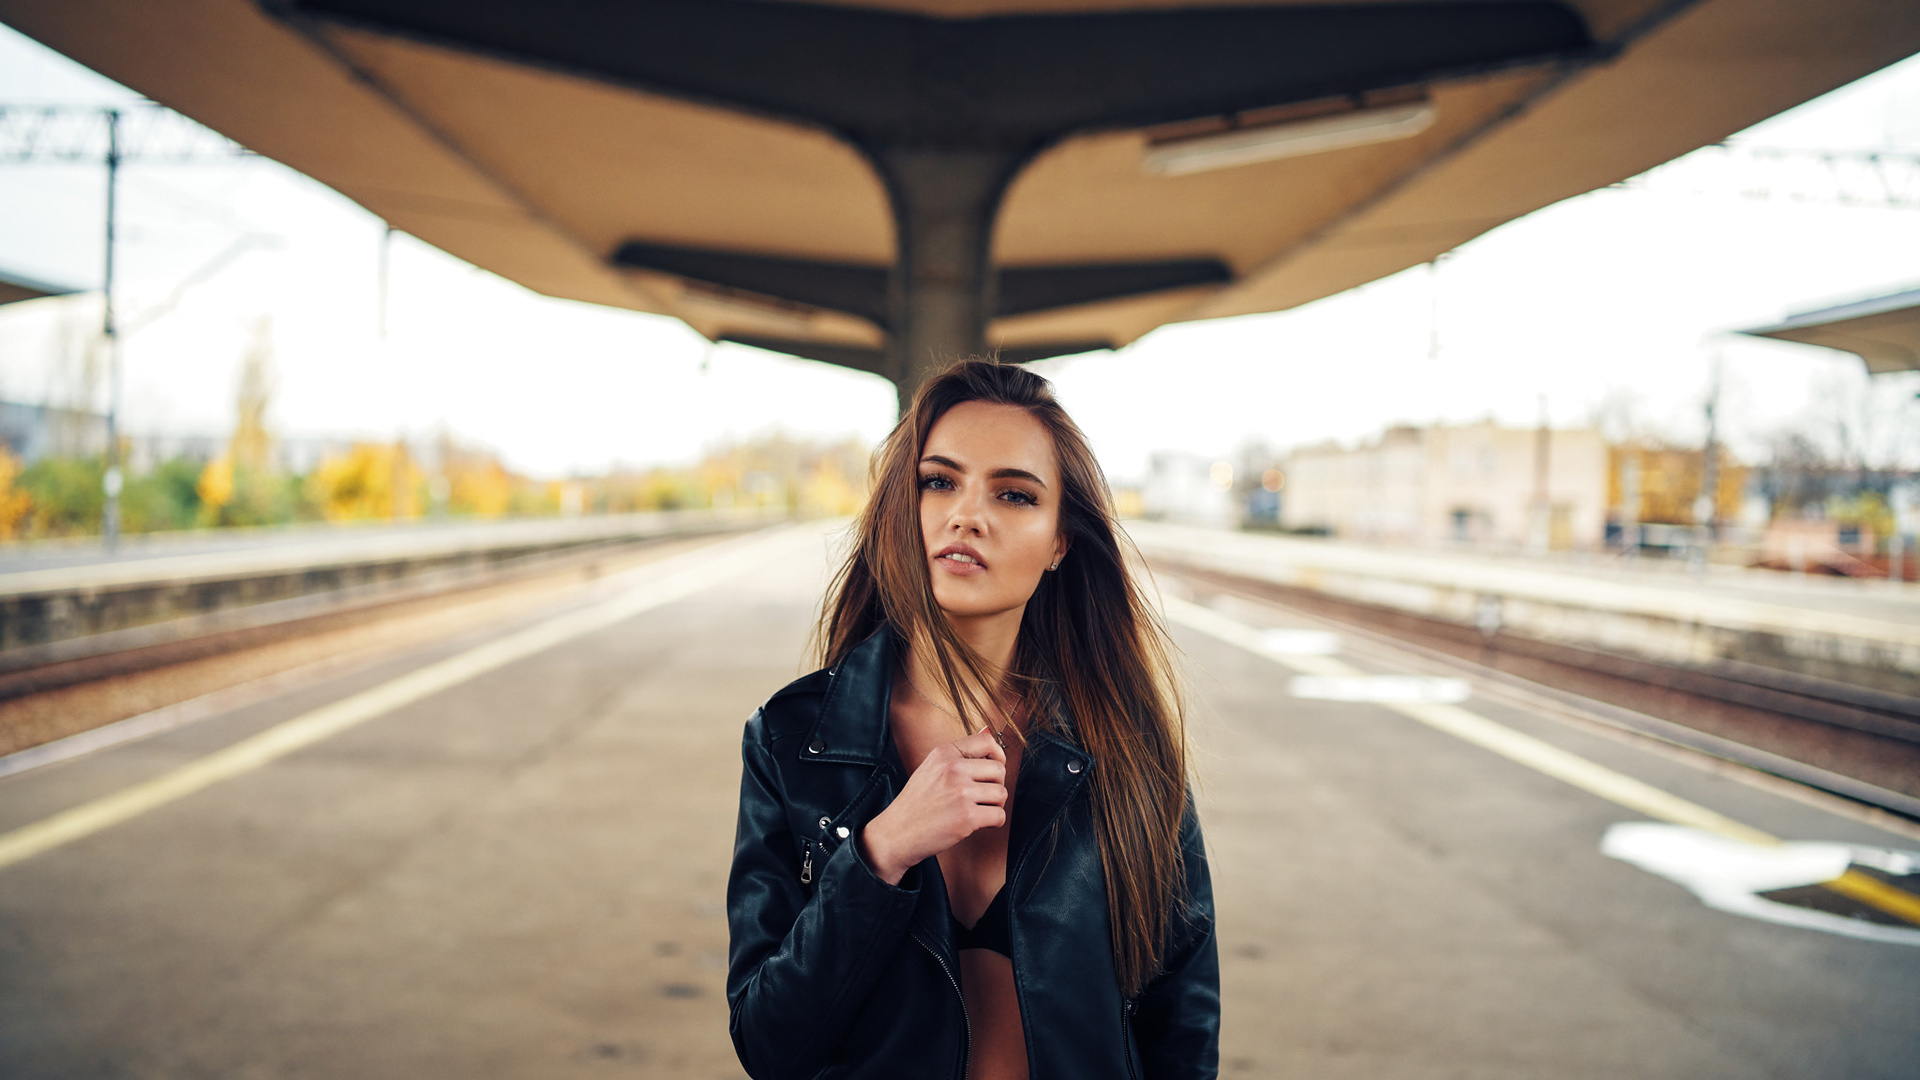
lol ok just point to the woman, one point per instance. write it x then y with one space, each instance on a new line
966 846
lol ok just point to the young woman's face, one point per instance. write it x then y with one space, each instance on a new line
990 493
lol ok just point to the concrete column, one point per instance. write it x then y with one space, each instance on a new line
942 292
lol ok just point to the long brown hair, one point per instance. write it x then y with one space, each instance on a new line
1089 645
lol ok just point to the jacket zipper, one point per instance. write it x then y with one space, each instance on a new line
966 1054
1126 1036
806 866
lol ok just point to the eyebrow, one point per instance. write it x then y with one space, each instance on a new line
997 474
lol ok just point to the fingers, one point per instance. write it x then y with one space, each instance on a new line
981 744
988 794
982 773
982 770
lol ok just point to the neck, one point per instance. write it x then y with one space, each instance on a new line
992 638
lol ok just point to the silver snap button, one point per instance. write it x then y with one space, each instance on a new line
824 822
843 832
817 745
1073 766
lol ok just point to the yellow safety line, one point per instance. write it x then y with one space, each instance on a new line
1873 892
662 582
1544 757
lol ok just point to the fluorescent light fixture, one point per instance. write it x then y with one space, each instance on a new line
1291 138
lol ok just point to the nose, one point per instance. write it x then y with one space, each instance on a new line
969 511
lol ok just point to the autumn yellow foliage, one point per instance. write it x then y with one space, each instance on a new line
14 503
215 487
370 480
829 491
481 487
1670 481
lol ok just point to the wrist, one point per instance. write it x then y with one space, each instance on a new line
878 853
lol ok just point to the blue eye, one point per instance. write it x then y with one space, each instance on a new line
1022 497
929 481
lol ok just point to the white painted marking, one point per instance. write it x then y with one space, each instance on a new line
1288 642
1381 689
1721 860
1234 632
656 584
1728 874
1525 749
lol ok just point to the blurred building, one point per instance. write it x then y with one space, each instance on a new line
146 452
1475 483
1188 488
32 432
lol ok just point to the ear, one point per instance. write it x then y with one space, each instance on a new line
1061 542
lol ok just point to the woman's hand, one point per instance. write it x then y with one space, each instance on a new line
959 788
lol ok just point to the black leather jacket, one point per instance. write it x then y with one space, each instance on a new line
834 973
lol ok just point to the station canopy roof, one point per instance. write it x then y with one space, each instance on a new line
716 161
16 287
1883 331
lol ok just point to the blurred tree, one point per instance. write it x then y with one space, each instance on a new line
215 487
829 492
241 486
1670 479
252 446
371 480
66 493
14 503
1863 509
75 365
166 498
484 489
476 482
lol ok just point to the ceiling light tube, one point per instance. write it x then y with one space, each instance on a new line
1292 138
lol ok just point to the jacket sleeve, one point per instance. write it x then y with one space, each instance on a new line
1177 1017
801 957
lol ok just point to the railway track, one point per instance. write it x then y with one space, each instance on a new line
171 672
1860 744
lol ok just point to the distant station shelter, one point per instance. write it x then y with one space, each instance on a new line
886 183
1884 331
15 288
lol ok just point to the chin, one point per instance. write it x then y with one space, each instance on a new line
974 606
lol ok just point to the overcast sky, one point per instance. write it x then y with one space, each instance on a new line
1614 300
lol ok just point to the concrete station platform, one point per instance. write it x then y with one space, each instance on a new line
84 560
1845 630
502 853
64 600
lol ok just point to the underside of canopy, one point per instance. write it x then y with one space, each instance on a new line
1883 331
873 184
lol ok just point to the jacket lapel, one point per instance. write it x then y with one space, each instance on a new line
852 726
1051 773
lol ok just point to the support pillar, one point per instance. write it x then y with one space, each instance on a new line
111 477
941 292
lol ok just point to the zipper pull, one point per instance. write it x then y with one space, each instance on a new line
806 866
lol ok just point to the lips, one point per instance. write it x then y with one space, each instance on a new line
960 555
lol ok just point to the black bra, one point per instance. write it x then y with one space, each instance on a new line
994 930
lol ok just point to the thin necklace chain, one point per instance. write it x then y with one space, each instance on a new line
998 735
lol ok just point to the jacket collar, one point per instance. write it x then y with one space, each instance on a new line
852 726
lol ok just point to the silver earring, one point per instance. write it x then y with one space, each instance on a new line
1055 566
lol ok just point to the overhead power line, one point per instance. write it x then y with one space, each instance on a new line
1877 179
110 135
138 131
